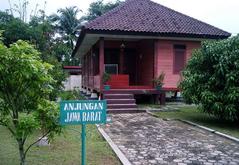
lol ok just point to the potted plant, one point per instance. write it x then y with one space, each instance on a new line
105 79
158 82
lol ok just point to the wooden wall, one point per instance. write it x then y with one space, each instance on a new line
153 57
165 52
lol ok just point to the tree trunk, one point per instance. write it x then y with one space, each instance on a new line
21 152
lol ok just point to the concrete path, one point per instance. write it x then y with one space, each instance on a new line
148 140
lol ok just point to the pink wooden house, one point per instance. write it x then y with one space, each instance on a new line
135 42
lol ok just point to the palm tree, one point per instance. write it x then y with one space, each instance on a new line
67 24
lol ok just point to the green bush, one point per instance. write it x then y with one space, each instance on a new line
106 77
211 78
71 95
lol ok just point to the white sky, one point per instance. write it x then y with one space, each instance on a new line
220 13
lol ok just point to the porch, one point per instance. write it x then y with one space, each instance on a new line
130 63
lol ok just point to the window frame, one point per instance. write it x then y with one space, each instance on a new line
179 47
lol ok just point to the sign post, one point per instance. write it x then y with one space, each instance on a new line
83 147
83 112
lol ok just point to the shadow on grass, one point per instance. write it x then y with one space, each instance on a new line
64 150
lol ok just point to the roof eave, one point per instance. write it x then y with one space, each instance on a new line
158 34
79 40
85 31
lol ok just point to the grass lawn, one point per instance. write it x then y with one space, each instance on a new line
149 106
191 113
64 150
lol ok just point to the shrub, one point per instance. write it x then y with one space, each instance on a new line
71 95
106 77
159 80
211 78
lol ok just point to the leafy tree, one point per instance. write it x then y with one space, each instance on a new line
211 78
98 8
42 35
5 17
25 85
14 29
51 34
40 32
61 51
59 76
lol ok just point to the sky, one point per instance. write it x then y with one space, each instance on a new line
223 14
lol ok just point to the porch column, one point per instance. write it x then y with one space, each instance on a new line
82 70
101 61
92 67
87 70
121 63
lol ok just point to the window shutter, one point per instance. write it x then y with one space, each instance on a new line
179 58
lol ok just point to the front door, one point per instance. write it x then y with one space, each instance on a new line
130 65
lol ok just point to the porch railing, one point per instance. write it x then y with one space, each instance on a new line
97 81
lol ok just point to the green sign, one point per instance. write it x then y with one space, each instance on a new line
82 112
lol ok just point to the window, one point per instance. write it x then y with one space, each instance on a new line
179 58
111 68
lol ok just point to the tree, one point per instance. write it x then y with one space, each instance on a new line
98 8
211 78
14 29
40 32
51 34
5 17
42 35
20 9
67 24
25 85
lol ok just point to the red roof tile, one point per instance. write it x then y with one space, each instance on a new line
71 67
150 17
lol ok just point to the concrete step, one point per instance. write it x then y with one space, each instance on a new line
118 96
118 91
121 106
120 101
126 110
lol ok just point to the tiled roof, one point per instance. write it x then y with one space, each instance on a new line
149 17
